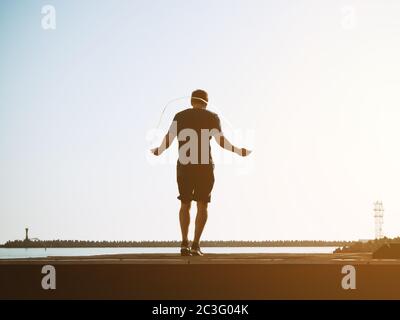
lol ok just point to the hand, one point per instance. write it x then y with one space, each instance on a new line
156 151
243 152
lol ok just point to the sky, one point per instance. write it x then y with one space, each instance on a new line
313 88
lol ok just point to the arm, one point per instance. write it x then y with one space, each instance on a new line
225 143
167 141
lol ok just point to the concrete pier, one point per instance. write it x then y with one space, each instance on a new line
214 276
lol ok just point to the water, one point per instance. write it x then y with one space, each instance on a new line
17 253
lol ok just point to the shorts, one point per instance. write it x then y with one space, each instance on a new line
195 182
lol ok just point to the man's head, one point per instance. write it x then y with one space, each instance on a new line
199 99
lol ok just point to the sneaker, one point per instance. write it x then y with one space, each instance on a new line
195 250
185 249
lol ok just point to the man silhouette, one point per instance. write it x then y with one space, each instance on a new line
194 128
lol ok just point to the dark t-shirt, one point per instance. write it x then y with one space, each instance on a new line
194 128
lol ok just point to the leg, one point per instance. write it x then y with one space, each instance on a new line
184 219
201 220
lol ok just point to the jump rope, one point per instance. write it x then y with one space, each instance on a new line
213 107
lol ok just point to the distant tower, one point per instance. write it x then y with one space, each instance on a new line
26 234
378 215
